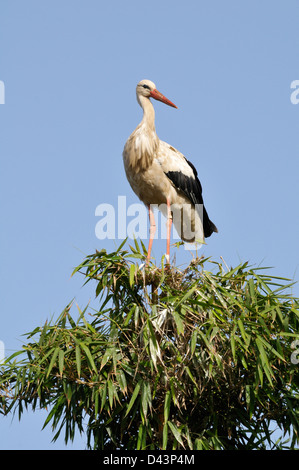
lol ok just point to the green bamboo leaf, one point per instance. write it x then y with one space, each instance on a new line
143 247
244 335
243 360
10 358
272 349
42 358
188 294
121 245
44 332
136 316
88 325
134 396
214 332
190 375
69 393
176 432
230 273
104 396
61 361
89 356
53 360
121 378
110 392
264 360
250 399
146 398
96 402
206 341
78 360
153 344
233 342
178 321
193 341
188 437
57 409
129 316
165 436
107 355
141 431
80 266
136 245
252 290
260 373
167 404
132 274
173 392
262 351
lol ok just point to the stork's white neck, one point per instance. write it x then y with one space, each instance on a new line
148 119
143 143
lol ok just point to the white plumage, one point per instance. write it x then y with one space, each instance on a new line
161 175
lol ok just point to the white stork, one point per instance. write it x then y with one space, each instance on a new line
161 175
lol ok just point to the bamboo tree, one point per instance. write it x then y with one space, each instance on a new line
197 358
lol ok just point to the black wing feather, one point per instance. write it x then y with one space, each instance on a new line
191 187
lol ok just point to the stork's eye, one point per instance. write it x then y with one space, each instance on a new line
146 86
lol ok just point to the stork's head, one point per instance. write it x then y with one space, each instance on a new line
148 89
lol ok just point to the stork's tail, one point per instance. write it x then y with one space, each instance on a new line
208 226
191 225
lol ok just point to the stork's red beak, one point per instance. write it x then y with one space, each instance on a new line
158 96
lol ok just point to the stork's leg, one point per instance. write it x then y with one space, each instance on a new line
152 233
169 224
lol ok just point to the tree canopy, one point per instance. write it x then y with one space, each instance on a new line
194 358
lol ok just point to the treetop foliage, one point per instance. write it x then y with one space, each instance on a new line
195 358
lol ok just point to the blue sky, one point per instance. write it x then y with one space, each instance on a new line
70 69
